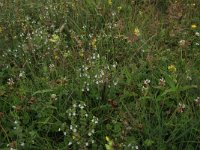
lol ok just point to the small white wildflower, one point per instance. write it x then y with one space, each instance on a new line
59 129
22 74
70 143
74 105
92 131
74 130
53 96
181 105
65 133
162 82
92 141
81 106
147 81
115 83
16 122
136 147
86 115
10 81
182 42
15 128
51 67
74 113
189 77
86 144
197 44
197 101
87 89
197 33
22 144
89 134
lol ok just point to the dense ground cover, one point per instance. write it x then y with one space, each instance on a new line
98 74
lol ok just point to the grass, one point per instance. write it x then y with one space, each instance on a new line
99 74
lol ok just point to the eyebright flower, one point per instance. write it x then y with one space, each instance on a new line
10 82
182 42
147 82
197 101
181 107
53 97
162 82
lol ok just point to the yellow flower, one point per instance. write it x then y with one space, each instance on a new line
81 53
110 2
1 30
94 41
54 38
137 31
172 68
193 26
119 8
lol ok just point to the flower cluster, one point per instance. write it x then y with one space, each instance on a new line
82 127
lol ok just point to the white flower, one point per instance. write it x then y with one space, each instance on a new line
53 96
147 81
21 74
65 133
74 130
181 105
89 134
182 42
70 143
51 66
10 81
74 113
16 122
197 33
22 144
86 144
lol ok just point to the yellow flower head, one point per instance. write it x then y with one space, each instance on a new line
119 8
193 26
94 41
172 68
54 38
1 30
110 2
137 31
81 53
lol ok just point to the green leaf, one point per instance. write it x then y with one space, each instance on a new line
42 91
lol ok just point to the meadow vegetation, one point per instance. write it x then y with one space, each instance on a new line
100 74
